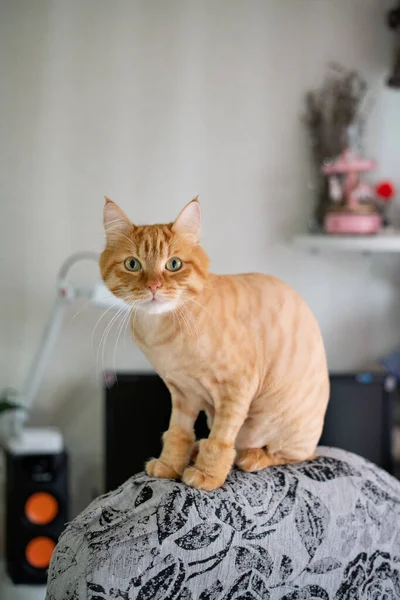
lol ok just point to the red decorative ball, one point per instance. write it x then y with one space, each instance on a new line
385 190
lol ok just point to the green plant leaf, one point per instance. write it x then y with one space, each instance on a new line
6 405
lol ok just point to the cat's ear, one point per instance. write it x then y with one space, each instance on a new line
189 221
115 221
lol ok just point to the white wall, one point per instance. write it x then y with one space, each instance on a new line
153 102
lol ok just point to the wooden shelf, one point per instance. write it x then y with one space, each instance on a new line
386 242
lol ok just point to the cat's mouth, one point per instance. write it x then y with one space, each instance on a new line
157 304
155 298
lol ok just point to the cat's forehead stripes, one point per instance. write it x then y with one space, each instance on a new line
153 241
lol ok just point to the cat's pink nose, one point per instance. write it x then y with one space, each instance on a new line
153 287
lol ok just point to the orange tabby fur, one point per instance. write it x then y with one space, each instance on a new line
246 349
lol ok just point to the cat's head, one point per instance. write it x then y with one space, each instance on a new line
153 267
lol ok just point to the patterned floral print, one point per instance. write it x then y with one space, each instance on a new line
328 529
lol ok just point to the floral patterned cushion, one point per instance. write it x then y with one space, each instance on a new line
326 529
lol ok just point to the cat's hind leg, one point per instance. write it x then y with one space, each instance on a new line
196 445
195 452
256 459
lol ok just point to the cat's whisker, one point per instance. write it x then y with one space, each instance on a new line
100 350
203 308
98 322
174 325
114 321
189 319
130 316
134 318
105 336
81 308
119 327
124 318
185 320
176 313
193 320
104 347
102 316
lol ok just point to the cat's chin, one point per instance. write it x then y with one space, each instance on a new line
157 307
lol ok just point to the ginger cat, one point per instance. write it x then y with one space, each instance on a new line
246 349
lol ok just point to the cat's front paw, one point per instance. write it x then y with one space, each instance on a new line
201 481
158 468
195 452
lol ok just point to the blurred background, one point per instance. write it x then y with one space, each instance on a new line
152 102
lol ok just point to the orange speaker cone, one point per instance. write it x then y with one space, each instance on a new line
41 508
38 552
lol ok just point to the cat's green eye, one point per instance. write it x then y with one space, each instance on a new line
132 264
174 264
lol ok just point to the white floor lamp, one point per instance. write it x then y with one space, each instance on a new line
66 293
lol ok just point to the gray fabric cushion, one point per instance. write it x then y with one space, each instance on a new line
326 529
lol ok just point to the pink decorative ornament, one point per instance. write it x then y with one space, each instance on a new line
348 214
346 223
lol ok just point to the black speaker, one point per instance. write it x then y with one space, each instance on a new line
360 416
36 507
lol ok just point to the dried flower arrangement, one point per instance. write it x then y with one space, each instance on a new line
335 118
394 24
